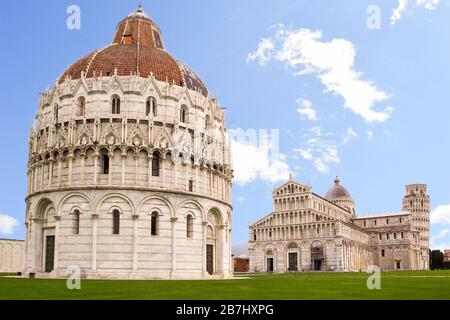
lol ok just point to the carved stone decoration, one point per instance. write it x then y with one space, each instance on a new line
111 136
62 137
135 137
182 143
43 143
163 140
85 136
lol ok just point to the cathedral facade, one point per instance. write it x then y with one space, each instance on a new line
307 232
129 171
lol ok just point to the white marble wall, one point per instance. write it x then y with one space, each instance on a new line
11 255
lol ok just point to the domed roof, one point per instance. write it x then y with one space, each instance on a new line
337 191
137 49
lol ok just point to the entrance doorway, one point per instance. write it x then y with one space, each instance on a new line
317 265
269 264
397 264
293 261
49 253
210 258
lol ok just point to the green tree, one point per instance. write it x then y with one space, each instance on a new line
437 259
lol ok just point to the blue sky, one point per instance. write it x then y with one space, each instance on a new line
394 81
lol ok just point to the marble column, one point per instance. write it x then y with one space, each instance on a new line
56 256
94 241
174 247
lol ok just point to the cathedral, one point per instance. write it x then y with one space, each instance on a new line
307 232
129 170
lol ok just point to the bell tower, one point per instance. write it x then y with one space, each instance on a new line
417 201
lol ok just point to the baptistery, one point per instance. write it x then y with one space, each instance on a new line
129 171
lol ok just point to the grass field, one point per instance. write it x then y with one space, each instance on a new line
297 286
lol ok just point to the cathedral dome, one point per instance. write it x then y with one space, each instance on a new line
340 196
337 191
137 49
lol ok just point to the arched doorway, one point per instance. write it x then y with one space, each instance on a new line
269 261
292 257
214 243
43 236
317 256
210 249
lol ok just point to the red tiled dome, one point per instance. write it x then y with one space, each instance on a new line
138 49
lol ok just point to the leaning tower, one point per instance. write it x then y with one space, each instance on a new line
417 201
129 171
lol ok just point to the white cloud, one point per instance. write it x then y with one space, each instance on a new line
251 162
306 110
241 199
263 53
350 135
397 13
438 245
332 62
320 149
441 234
441 215
7 224
305 153
403 5
369 135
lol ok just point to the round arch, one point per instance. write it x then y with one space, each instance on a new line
42 207
216 212
130 203
67 197
195 203
164 200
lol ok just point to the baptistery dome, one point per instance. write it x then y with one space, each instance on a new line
129 170
137 49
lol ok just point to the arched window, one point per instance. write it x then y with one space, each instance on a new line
189 226
105 162
183 114
382 252
115 105
150 107
76 222
155 164
56 112
81 107
116 222
154 224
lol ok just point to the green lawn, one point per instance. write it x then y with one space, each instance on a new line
395 285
